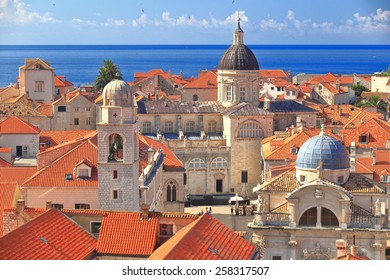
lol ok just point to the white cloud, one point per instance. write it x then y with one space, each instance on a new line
378 22
143 20
272 24
114 22
17 12
382 15
79 21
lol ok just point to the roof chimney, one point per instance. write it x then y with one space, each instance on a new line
48 204
20 205
145 211
150 155
341 247
354 248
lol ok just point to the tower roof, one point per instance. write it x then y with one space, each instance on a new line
117 93
323 150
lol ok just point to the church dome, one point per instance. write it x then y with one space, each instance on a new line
238 56
325 149
117 93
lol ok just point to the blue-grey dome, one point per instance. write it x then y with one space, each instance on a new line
322 148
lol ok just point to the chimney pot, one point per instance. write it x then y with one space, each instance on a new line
20 205
48 204
341 247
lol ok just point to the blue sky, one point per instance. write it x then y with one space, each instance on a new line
194 22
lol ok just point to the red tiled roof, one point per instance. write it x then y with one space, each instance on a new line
14 125
350 257
60 81
171 162
381 166
127 234
4 163
8 193
45 109
63 136
54 174
50 236
207 80
205 239
16 174
378 132
273 73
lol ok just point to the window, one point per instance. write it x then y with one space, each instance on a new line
197 163
68 177
229 93
385 179
363 138
76 121
115 174
276 258
58 91
212 126
288 93
61 108
115 194
168 127
57 205
81 206
146 127
83 173
242 94
340 179
190 126
171 191
302 178
39 85
166 229
76 109
294 150
219 163
272 88
250 130
88 121
95 227
318 123
195 97
88 109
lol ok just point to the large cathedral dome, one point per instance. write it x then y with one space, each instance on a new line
238 56
117 93
322 149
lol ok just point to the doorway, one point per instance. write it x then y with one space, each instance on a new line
19 151
219 185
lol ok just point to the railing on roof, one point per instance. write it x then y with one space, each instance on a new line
277 219
361 221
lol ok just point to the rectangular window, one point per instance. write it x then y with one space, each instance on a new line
276 258
76 109
61 108
242 94
115 174
363 138
88 121
302 178
95 227
340 179
81 206
288 93
115 194
385 179
229 93
57 205
82 173
166 229
76 121
39 86
88 109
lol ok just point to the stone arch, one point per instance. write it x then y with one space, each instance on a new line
310 215
115 143
250 129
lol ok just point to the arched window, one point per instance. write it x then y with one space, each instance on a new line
212 126
250 130
146 127
328 218
115 147
190 126
195 97
197 163
171 191
219 163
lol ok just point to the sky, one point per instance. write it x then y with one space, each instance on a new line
53 22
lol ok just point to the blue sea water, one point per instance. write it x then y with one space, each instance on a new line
80 63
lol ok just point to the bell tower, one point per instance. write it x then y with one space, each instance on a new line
118 153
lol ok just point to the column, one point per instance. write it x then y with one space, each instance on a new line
319 216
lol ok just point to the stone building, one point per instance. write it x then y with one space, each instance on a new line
302 213
219 142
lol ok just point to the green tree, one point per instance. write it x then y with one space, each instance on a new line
374 101
107 73
359 89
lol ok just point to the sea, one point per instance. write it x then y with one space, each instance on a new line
80 63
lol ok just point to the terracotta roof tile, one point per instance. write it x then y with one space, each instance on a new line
8 195
60 81
205 239
381 166
358 183
45 109
127 234
207 80
56 137
14 125
16 174
285 182
50 236
273 73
